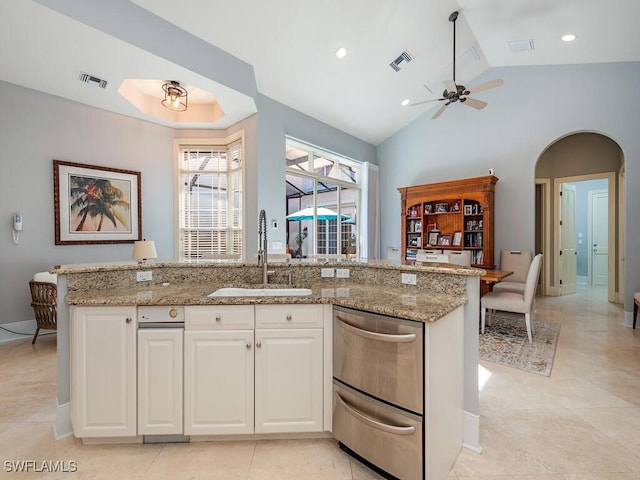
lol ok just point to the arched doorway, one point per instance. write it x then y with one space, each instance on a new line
569 173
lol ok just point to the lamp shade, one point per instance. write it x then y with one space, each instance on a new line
143 250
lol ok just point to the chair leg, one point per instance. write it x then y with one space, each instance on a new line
635 314
35 336
483 314
527 321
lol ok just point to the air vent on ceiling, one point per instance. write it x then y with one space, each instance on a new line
92 80
403 57
521 45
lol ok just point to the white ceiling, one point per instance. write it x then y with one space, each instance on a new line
291 45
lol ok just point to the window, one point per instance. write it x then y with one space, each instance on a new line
210 179
319 179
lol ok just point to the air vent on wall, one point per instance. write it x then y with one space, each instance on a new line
403 57
92 80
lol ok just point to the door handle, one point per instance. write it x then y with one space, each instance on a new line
372 422
382 337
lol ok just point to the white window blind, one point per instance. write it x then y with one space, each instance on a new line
211 201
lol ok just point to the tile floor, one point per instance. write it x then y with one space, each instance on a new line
582 423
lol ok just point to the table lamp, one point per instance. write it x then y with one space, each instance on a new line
144 250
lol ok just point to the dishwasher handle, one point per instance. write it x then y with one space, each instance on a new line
382 337
373 423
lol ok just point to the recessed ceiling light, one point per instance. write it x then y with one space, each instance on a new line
405 102
569 37
341 52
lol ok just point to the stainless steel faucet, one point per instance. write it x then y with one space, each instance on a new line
262 247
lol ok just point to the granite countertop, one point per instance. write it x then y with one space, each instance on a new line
404 302
205 264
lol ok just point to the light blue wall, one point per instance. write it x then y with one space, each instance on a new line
535 107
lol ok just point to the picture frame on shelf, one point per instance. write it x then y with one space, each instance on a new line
442 207
432 238
468 209
444 240
428 208
457 239
455 206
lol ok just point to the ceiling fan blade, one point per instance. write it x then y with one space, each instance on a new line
450 86
475 103
439 112
425 101
486 86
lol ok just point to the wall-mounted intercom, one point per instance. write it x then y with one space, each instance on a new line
17 227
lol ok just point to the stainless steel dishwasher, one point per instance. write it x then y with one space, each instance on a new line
160 373
378 397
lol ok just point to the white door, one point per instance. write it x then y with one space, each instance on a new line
289 388
103 371
568 251
160 381
599 236
218 382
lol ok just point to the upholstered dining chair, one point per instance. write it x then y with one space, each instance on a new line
515 302
431 256
44 292
518 262
460 258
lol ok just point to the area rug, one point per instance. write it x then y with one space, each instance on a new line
505 342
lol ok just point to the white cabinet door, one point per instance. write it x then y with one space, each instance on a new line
218 383
103 371
289 380
160 381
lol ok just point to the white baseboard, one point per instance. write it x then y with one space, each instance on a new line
472 432
62 426
23 329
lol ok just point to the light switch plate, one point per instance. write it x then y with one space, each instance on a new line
409 278
342 272
145 276
326 273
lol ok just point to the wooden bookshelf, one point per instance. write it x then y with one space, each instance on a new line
458 209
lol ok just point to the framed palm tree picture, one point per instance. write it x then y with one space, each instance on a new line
95 204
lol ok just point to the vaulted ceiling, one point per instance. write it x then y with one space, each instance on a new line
291 45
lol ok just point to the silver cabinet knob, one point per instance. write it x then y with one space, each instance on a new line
128 320
173 313
218 318
258 345
288 318
248 346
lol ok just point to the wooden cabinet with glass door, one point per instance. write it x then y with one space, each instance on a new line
454 215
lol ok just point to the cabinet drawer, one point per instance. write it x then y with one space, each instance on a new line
219 317
289 316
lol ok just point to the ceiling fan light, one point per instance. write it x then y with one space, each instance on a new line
405 102
341 52
569 37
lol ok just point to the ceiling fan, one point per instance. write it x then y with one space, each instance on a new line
459 93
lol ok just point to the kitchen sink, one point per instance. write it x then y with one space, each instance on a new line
260 292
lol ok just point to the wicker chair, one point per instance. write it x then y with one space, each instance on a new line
43 301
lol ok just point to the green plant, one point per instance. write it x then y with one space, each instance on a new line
300 238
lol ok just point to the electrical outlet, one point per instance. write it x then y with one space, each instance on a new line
409 278
326 273
342 272
145 276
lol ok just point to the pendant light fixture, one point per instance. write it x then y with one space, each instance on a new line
175 96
